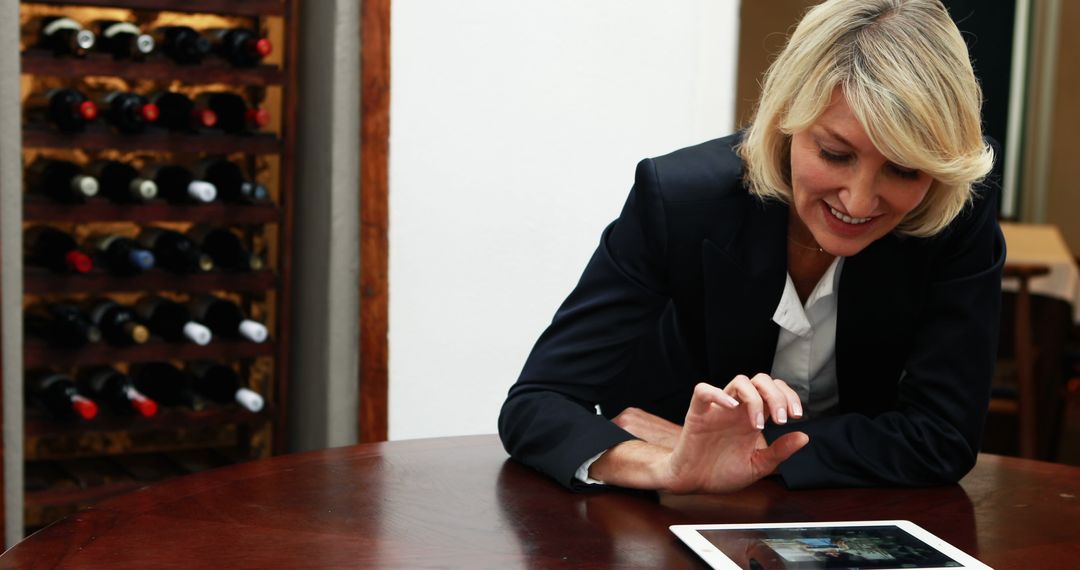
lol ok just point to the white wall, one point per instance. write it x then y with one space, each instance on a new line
515 129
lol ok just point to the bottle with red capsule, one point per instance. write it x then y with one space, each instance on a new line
68 109
60 324
129 112
239 46
59 394
221 384
61 180
46 246
165 384
177 112
234 116
114 389
64 36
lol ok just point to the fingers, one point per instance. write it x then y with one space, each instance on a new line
705 395
746 392
766 396
783 447
794 403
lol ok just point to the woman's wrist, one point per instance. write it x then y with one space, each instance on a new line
634 464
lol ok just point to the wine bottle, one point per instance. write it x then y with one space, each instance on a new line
45 246
68 109
65 36
59 394
224 318
124 40
115 389
183 44
175 251
118 324
121 255
179 186
240 46
225 248
177 112
121 183
170 320
233 114
129 112
221 384
165 384
61 180
230 181
61 324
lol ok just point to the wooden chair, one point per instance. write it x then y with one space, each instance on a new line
1015 389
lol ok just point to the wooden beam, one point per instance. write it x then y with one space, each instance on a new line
374 217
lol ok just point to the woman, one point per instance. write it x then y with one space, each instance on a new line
815 297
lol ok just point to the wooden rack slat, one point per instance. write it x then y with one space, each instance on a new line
100 210
41 282
234 7
42 426
157 68
37 354
98 137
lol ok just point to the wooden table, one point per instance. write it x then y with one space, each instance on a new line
460 503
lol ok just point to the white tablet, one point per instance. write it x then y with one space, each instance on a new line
851 544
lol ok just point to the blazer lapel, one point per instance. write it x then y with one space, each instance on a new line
744 279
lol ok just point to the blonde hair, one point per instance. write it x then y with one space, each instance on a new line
905 73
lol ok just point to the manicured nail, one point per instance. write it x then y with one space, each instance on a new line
731 401
760 420
781 416
797 412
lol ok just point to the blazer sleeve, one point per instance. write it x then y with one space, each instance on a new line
549 419
932 435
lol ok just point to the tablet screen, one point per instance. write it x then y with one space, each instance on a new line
885 546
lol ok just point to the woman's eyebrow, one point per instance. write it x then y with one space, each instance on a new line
836 136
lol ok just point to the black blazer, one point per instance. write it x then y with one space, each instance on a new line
682 289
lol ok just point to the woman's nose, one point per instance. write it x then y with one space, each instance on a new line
860 197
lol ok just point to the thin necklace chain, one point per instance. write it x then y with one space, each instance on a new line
818 249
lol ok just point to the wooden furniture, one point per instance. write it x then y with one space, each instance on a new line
1019 396
70 465
461 503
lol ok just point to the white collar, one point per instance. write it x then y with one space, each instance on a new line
791 313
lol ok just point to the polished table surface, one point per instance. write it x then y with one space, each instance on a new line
460 503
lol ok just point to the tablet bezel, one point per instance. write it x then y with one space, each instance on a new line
712 555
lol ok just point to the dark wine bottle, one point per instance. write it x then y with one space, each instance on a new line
179 186
59 394
121 255
115 389
240 46
45 246
68 109
60 180
182 44
170 320
179 113
175 251
124 40
65 36
165 384
129 112
121 183
221 384
225 319
118 324
233 114
225 248
61 324
231 183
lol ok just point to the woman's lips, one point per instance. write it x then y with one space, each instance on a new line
838 222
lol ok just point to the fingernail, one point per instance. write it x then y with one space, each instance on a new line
731 401
781 416
760 420
797 412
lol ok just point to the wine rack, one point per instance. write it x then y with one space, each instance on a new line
70 464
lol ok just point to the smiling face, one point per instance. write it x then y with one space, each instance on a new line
845 192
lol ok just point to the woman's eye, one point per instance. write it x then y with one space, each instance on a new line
905 173
834 157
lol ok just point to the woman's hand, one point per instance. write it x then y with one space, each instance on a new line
648 427
720 447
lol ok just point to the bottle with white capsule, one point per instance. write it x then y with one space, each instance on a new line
177 185
226 319
65 36
221 384
171 321
124 40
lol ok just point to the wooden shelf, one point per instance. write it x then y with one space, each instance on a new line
99 137
234 7
156 68
36 209
37 281
37 354
40 425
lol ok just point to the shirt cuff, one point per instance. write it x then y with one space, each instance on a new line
582 473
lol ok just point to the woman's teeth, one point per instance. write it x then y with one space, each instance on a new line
847 219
